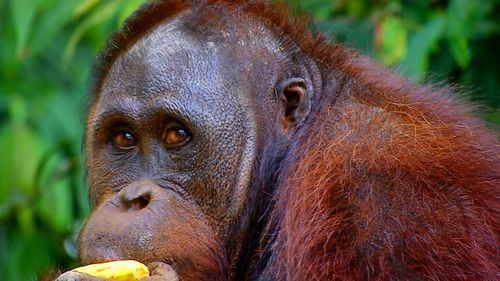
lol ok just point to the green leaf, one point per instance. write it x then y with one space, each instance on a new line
53 182
61 118
29 256
493 116
17 109
394 38
23 12
422 43
320 9
9 64
357 35
460 49
26 219
128 8
85 6
464 19
50 24
55 198
20 148
355 8
99 16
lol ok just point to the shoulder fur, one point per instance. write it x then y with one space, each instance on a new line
394 182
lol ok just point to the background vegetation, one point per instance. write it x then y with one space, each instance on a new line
47 47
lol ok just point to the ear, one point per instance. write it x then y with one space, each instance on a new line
295 101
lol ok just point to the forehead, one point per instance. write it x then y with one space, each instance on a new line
176 60
166 61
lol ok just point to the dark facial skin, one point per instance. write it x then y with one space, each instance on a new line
172 144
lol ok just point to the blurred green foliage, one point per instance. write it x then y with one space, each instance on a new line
47 47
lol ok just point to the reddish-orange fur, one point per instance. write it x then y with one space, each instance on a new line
392 181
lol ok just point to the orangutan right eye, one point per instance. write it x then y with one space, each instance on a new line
124 140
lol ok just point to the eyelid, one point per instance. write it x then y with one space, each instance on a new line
172 116
121 129
106 125
174 124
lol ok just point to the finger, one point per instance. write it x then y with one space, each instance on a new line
163 270
76 276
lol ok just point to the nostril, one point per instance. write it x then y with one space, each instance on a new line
137 195
138 203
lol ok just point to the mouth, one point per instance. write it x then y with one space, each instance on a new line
105 247
110 255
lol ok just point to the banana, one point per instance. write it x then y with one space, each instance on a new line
125 270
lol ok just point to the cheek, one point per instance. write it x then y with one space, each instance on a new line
107 176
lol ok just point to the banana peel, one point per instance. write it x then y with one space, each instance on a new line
124 270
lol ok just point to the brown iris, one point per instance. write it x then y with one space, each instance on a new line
175 136
124 140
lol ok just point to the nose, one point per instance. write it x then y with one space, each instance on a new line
137 195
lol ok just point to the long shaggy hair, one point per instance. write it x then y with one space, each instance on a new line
385 181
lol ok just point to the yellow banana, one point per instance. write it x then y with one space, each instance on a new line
126 270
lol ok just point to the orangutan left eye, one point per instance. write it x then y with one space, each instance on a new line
175 136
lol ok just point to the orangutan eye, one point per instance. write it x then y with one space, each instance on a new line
124 140
175 135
